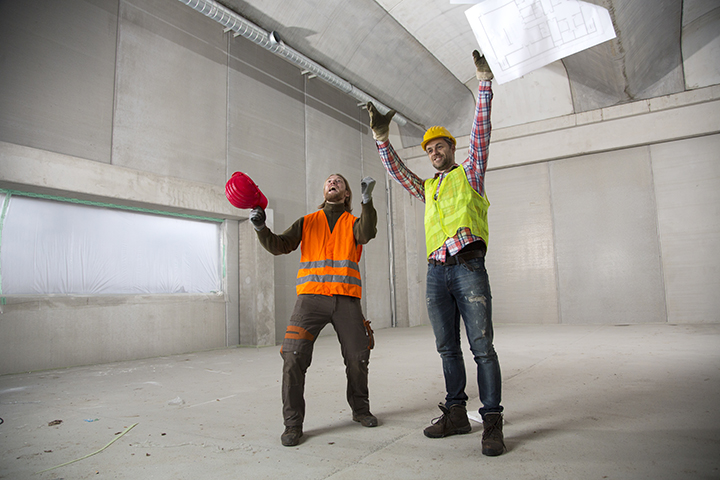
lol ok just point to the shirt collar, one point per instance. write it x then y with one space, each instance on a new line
334 207
451 169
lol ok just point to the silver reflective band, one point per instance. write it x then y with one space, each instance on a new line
330 263
329 279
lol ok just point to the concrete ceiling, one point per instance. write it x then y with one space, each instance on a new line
415 55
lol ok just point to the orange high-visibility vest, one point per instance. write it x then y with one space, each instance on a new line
329 261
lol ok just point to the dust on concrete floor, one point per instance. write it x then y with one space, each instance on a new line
615 402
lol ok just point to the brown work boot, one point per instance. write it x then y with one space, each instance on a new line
291 436
453 421
492 438
365 419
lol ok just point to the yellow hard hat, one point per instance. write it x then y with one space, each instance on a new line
436 132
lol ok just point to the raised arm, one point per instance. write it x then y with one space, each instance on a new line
476 164
365 227
380 125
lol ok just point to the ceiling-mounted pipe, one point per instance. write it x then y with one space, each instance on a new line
270 41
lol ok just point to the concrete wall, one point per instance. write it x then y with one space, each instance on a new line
148 103
606 218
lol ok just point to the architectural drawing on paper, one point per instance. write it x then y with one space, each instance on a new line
518 36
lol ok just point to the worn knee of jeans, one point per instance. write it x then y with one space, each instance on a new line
448 349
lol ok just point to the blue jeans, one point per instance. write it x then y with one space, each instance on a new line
463 290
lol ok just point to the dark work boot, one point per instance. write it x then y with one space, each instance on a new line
365 419
492 438
454 420
291 436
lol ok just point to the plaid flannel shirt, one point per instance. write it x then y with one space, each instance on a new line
475 166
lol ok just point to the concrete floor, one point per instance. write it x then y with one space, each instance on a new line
581 402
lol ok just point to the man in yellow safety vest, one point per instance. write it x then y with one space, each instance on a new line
456 236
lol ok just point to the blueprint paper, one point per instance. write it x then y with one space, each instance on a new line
519 36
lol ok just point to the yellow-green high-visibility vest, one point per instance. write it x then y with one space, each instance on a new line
457 205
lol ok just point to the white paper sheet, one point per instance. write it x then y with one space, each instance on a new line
519 36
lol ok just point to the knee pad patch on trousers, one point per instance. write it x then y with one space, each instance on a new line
297 339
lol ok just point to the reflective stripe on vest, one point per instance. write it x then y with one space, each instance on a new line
458 205
329 260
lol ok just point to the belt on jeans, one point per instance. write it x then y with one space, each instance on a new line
459 258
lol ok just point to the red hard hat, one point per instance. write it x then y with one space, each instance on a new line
242 192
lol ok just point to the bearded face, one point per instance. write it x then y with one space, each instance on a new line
335 190
441 154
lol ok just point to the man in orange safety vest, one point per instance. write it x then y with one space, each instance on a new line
329 290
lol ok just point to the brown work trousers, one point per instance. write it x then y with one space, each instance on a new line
311 314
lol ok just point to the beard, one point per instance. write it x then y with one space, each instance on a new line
442 162
335 196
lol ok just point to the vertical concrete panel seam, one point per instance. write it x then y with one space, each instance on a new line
305 139
223 241
558 297
392 281
227 107
362 146
115 80
226 245
654 203
364 257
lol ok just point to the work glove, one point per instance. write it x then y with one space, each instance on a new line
366 187
257 218
379 123
482 69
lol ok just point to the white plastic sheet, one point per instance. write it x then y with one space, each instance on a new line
53 247
519 36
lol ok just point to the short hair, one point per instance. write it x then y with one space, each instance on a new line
449 141
348 200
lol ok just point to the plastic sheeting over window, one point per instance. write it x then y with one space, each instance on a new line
51 247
